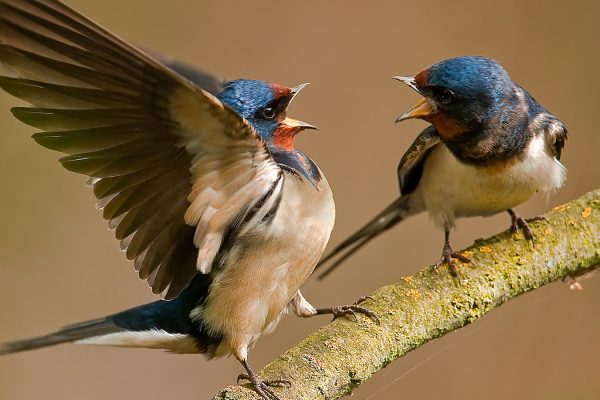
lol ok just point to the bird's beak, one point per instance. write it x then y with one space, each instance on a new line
294 123
419 110
299 125
408 81
295 91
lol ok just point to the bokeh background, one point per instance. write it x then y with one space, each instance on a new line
59 264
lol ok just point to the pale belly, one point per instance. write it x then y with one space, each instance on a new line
267 268
450 189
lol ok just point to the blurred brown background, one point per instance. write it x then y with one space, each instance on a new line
59 264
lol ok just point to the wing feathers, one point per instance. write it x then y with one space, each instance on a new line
555 135
410 167
131 197
41 17
149 212
159 249
36 67
92 139
161 153
42 94
64 119
93 164
152 227
109 186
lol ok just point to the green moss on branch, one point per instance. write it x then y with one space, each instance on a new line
340 356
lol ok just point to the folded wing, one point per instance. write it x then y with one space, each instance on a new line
410 167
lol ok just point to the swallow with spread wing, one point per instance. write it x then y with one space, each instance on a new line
198 177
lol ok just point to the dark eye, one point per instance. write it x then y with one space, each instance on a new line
444 95
267 113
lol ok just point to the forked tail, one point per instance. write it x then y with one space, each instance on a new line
71 333
161 324
390 216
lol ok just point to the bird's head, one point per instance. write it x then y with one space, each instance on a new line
264 105
460 95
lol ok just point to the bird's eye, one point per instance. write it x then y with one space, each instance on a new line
444 95
268 113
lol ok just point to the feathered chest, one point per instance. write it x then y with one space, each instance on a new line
451 188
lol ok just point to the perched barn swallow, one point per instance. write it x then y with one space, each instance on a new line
198 177
489 148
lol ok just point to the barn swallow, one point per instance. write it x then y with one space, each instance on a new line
489 148
198 177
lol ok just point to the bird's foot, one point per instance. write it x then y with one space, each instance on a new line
263 387
363 299
351 309
517 222
448 257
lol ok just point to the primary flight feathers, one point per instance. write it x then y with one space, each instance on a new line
152 141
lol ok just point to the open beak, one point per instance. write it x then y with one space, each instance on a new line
294 92
419 110
297 89
299 125
294 123
408 81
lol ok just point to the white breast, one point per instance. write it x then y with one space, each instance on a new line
450 189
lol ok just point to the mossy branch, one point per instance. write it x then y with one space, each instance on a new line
335 359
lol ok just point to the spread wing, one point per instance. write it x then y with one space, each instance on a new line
171 166
411 164
207 81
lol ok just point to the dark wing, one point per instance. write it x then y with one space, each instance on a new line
542 121
205 80
410 168
555 135
171 166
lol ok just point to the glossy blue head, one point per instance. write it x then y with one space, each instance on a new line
264 106
460 94
475 78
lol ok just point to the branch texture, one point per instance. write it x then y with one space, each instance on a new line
340 356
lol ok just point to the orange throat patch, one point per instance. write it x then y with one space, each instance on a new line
283 137
448 128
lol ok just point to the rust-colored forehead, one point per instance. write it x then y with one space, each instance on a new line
422 78
280 91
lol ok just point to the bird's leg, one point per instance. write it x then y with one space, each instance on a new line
517 222
262 387
448 254
304 309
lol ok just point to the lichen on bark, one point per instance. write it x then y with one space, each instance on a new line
335 359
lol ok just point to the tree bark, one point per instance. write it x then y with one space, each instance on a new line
332 361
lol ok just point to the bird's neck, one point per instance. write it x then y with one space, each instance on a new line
499 138
490 146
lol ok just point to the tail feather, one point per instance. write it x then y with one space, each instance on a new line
71 333
390 216
158 325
